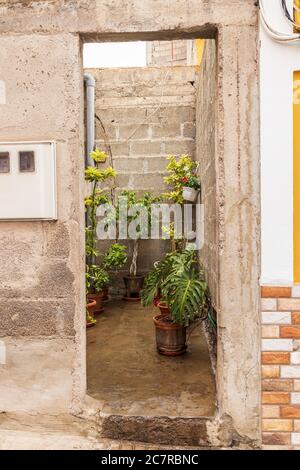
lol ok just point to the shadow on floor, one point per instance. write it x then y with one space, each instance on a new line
128 376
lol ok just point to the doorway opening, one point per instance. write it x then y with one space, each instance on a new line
153 100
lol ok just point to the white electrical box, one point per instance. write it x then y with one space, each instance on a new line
28 181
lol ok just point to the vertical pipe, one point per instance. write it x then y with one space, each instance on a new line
90 85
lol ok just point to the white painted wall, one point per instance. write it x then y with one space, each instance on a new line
277 64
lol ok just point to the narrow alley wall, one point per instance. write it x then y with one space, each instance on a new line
205 155
148 113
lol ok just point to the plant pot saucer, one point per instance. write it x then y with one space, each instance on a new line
132 299
172 353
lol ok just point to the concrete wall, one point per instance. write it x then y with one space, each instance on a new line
205 155
41 272
234 23
148 113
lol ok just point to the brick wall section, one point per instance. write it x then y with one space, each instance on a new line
163 53
281 367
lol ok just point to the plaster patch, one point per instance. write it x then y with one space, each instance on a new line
2 92
2 353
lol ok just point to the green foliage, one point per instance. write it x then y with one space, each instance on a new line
95 175
144 202
95 200
179 169
182 285
97 278
191 182
98 156
89 318
115 257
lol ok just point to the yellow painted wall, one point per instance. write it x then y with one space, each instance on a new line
296 105
200 43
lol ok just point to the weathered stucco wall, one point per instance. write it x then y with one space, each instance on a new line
205 155
234 22
41 272
107 18
148 113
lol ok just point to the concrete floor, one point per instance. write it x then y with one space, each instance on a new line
128 376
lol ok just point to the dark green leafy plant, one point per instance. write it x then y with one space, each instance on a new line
182 286
191 181
97 278
115 257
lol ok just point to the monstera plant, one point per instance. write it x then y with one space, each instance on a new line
183 299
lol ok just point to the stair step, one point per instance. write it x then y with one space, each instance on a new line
156 429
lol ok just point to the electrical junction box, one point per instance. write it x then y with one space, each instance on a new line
28 181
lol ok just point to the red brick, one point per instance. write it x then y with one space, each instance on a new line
276 438
290 412
275 398
296 318
290 331
275 292
277 385
275 358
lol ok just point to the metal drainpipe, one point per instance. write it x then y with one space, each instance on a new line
90 85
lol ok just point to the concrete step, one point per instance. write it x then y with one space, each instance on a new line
157 429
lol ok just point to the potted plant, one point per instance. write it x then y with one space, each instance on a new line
182 179
90 320
98 280
90 304
183 292
191 187
97 275
134 281
114 259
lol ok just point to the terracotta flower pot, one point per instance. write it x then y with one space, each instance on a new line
105 291
98 297
133 286
170 337
90 306
163 307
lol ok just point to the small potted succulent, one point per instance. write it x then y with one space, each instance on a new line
184 299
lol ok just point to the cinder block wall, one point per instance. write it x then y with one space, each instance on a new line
42 295
205 155
148 113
